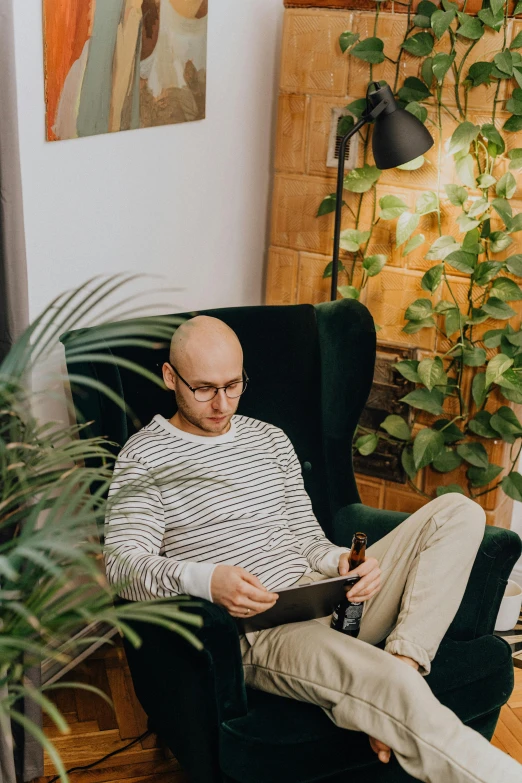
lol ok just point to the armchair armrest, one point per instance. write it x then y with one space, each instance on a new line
187 693
498 553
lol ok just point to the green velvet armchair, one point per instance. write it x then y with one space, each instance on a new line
310 369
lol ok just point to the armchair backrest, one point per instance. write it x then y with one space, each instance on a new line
310 369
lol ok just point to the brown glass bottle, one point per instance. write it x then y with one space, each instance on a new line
347 614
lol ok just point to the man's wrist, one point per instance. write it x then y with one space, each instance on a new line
196 579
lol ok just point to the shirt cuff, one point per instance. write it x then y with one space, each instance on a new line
195 579
329 562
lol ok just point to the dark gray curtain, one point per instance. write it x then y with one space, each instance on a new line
21 756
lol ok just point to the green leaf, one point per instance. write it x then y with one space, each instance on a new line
504 62
464 262
496 368
415 326
506 186
412 165
441 64
327 205
473 453
406 225
413 90
516 223
443 305
514 104
419 44
515 338
480 425
345 124
465 170
503 208
408 369
397 427
474 356
512 485
479 73
499 240
427 445
449 430
479 477
491 338
441 248
453 320
360 180
516 43
513 124
446 461
348 291
514 264
466 223
413 243
471 242
506 424
370 50
450 488
431 279
470 27
478 389
456 194
417 110
506 289
426 71
374 264
348 39
367 444
462 137
427 202
391 207
485 181
407 462
498 309
490 133
419 309
431 372
423 399
478 207
490 19
511 380
351 239
357 107
486 271
515 157
441 20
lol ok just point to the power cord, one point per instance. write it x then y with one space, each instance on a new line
113 753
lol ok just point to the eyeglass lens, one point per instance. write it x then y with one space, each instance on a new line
206 393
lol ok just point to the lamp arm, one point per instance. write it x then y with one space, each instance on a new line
339 194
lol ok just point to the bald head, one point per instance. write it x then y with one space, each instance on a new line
200 340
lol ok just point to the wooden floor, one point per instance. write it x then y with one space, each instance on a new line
96 729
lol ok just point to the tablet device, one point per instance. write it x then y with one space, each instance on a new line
299 602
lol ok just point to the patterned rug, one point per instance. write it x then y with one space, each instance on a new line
514 639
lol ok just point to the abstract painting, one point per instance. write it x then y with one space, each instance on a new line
113 65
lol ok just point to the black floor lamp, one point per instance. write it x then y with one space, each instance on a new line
398 137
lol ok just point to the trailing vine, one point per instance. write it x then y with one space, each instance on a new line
478 251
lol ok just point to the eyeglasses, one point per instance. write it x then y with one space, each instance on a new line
207 393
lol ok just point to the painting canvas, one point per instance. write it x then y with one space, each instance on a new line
114 65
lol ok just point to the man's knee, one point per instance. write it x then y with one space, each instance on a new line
467 515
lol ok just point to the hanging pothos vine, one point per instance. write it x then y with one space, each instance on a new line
477 250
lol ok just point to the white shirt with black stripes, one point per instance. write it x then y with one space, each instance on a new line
179 504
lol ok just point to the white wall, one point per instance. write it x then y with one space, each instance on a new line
186 201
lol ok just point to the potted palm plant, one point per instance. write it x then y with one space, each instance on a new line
53 488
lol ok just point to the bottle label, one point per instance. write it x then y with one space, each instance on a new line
352 616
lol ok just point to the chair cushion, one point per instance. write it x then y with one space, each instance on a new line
282 740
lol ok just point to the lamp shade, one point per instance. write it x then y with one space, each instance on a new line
398 136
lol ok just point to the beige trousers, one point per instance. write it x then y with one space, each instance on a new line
425 564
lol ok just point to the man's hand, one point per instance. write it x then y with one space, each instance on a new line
369 583
237 590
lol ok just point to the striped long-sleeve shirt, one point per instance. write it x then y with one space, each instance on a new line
179 504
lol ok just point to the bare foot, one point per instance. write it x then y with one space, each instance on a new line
384 751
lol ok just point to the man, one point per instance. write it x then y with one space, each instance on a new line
222 513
